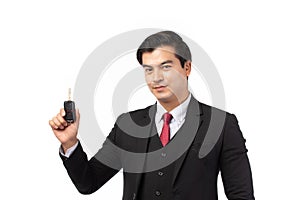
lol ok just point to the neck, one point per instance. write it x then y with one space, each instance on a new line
170 105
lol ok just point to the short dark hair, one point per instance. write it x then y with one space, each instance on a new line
165 38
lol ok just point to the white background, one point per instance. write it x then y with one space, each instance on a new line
255 46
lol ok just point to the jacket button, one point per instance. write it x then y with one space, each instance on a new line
160 173
157 193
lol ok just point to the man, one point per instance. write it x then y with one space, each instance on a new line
171 136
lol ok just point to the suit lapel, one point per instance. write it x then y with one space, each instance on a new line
143 146
189 129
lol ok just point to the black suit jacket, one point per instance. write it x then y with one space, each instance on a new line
209 141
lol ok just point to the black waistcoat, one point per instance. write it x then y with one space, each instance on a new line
156 184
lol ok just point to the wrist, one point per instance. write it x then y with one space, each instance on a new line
69 144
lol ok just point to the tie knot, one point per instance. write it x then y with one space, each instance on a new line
167 118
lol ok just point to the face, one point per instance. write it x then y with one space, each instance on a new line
164 75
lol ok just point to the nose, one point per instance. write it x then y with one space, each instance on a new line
157 76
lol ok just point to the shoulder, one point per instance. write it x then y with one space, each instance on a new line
140 112
138 116
221 126
217 117
208 109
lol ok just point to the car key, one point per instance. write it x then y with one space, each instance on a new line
70 111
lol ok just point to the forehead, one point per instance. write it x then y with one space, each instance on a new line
159 55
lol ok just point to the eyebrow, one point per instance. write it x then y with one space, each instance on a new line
165 62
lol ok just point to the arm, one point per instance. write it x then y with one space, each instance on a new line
87 175
69 151
235 166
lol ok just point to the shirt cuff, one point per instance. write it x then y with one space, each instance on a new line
69 150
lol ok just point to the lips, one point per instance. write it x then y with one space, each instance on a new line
159 88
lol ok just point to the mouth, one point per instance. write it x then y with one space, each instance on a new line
159 88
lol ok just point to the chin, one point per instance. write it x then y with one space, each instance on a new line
163 97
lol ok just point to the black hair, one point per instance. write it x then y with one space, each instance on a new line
165 38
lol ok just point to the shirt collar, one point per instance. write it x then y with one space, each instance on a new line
178 112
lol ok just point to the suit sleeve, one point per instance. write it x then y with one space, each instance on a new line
89 175
235 167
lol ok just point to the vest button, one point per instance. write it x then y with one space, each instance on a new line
133 196
160 173
157 193
163 154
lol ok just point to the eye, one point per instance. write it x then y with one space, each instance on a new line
166 66
148 69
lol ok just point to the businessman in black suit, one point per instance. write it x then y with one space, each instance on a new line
173 149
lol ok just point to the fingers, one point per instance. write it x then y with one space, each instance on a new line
61 120
58 122
62 112
53 126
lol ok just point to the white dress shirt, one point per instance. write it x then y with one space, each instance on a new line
177 121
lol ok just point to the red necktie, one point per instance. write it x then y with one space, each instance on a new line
165 133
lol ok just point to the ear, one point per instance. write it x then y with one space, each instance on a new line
187 67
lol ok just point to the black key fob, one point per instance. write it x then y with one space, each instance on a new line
70 115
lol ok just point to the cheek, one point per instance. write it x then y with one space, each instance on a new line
148 79
174 78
